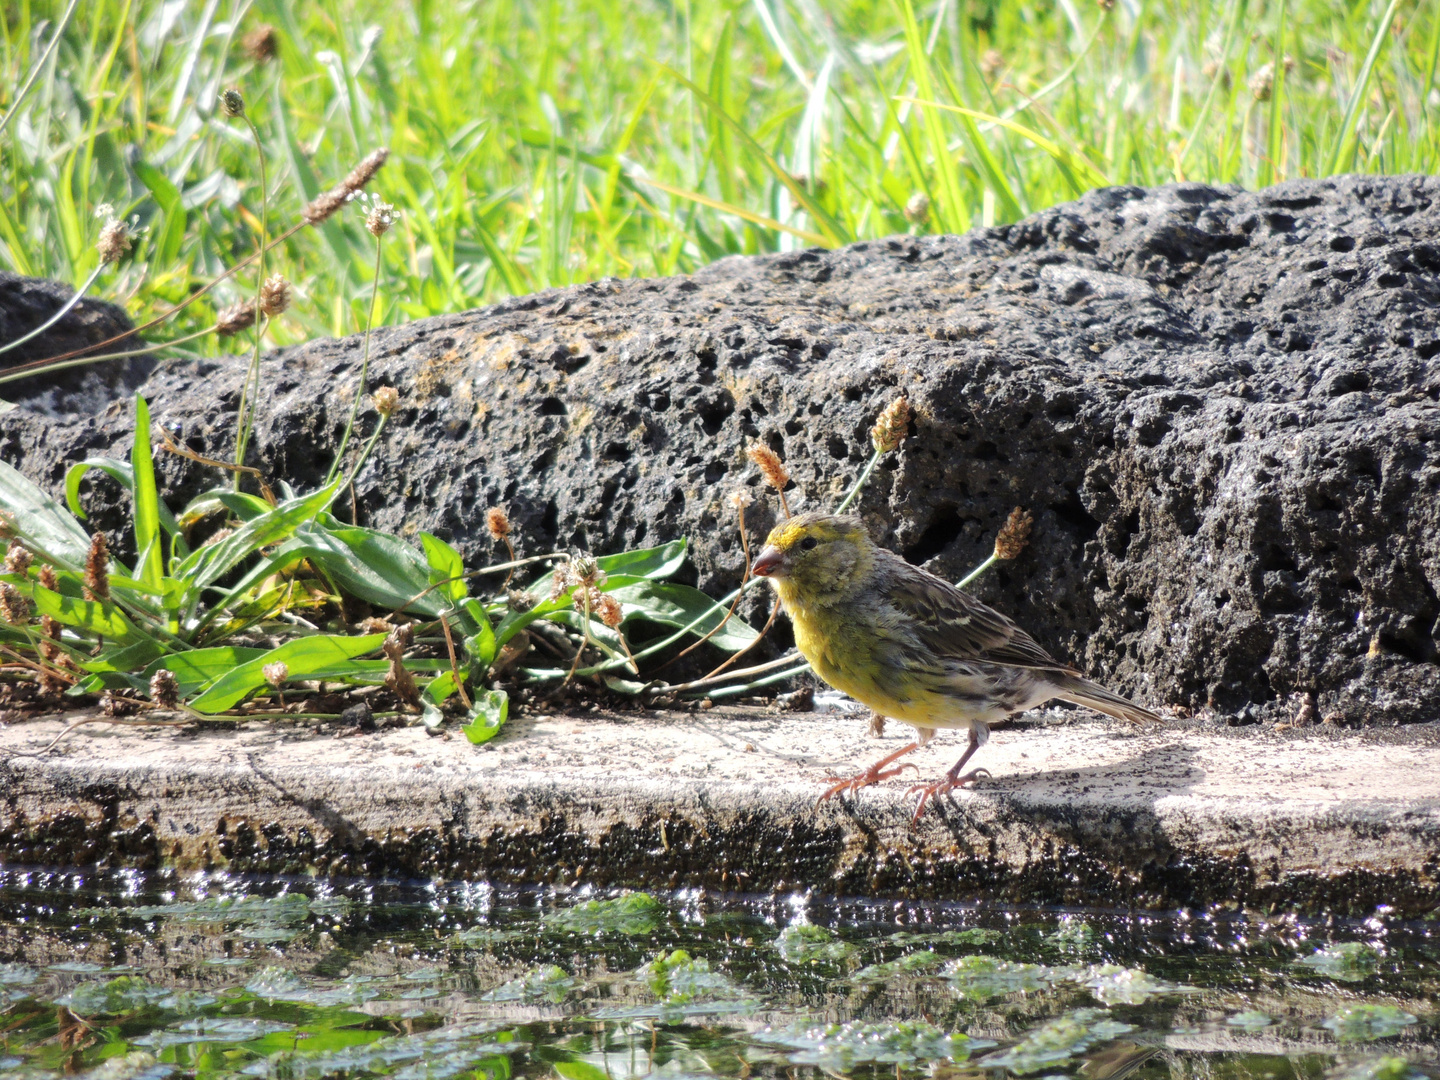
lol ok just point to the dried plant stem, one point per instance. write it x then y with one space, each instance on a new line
513 564
789 658
779 676
64 310
860 481
45 367
584 641
364 369
201 459
454 663
758 638
250 390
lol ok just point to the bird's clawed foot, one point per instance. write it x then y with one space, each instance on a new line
852 784
941 787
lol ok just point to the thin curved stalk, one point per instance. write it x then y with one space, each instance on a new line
860 481
79 295
364 370
250 390
39 65
779 676
24 371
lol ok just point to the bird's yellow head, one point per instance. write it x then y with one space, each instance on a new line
816 558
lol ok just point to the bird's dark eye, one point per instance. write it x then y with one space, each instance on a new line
808 543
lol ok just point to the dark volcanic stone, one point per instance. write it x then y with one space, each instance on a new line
1221 407
26 303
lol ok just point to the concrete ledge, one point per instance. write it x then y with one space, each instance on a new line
1080 812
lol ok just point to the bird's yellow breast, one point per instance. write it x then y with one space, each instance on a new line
851 657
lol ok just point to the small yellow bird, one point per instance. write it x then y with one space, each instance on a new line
910 645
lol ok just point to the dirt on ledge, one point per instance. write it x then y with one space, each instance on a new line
1079 812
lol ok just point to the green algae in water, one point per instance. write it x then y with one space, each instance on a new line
1367 1022
841 1047
1348 960
805 943
129 977
1058 1041
633 915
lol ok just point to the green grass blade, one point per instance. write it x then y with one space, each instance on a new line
1343 155
831 228
146 501
950 206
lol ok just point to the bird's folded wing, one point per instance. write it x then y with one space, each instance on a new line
954 626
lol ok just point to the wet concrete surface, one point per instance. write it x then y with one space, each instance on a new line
1079 811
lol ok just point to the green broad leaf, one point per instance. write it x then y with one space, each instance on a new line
488 716
440 688
680 605
103 619
481 645
579 1070
42 522
126 658
245 507
122 474
167 197
198 668
203 566
374 566
445 565
324 656
147 500
624 686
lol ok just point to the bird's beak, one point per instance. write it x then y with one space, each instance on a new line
770 563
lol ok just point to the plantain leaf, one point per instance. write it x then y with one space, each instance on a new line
323 656
481 645
146 501
102 619
41 522
198 668
680 605
488 716
445 563
374 566
203 566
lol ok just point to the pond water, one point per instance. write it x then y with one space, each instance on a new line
122 975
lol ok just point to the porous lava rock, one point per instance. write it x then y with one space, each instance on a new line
27 303
1222 408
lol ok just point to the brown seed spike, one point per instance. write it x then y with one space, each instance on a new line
892 426
1014 534
97 569
164 688
261 44
235 318
327 203
17 558
498 522
772 469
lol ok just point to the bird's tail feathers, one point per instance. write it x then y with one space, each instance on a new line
1080 691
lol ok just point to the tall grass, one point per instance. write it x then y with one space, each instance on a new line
544 143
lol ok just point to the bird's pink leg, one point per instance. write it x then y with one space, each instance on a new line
873 775
953 779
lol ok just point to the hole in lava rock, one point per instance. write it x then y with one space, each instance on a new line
944 529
